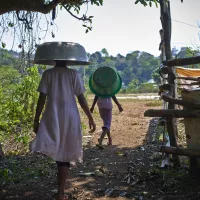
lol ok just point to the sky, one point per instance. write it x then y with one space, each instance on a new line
120 26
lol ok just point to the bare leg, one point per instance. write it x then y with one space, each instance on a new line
63 172
104 132
109 138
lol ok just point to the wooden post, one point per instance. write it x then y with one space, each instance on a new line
166 25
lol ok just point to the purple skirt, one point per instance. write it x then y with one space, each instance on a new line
106 116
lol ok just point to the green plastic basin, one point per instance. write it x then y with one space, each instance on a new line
105 82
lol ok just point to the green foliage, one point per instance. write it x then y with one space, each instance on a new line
17 169
147 87
18 98
8 77
75 7
147 2
133 86
84 127
135 65
9 58
104 52
156 76
18 89
186 52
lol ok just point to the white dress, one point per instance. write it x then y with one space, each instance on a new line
59 135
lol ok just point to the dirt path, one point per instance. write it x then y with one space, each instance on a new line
109 165
130 169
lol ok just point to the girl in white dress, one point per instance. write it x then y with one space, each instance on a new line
58 134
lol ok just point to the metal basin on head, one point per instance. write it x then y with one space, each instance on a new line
72 53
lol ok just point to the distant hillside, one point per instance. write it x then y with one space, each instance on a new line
137 66
9 58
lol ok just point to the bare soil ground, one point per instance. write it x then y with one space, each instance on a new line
130 169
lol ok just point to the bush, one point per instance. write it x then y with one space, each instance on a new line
147 88
135 87
18 101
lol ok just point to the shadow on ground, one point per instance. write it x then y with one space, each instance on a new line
109 173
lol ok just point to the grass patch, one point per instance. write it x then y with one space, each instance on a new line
154 103
19 169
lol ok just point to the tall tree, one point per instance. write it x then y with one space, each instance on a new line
104 52
30 20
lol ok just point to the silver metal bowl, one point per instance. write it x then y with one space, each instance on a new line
72 53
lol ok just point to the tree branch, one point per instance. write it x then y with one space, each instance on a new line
84 18
31 5
24 20
47 8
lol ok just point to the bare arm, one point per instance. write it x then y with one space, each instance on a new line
40 106
117 103
83 103
94 103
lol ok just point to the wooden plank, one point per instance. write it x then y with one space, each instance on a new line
189 78
182 102
197 83
192 127
180 151
182 61
170 113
